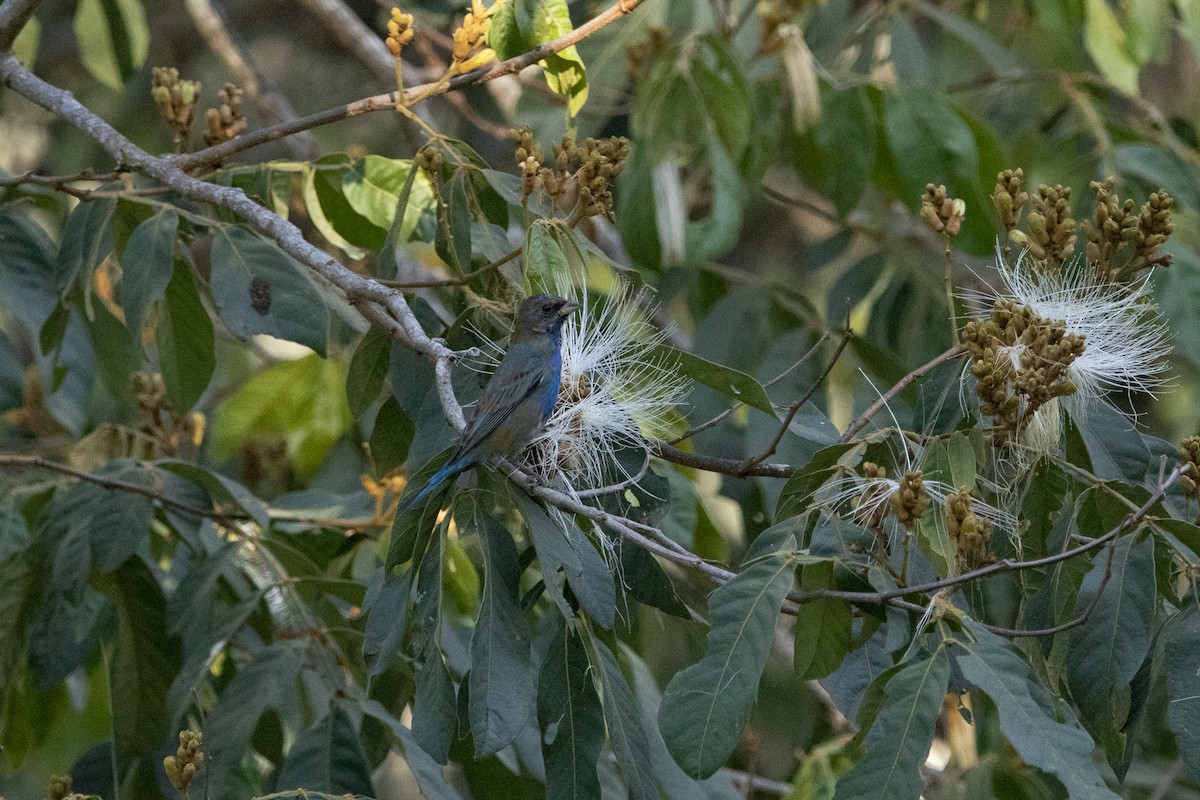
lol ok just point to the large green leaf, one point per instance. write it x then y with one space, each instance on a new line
186 354
823 627
625 728
258 289
838 153
27 281
368 369
302 400
1183 684
113 39
266 681
501 680
561 545
452 240
706 705
329 758
147 267
427 772
571 719
374 186
1107 650
145 661
899 739
524 24
1031 721
730 382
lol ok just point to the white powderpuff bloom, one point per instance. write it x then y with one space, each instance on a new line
857 496
1125 342
615 393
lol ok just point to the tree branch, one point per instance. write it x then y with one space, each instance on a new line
379 102
271 104
861 421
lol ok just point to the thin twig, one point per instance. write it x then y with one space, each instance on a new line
464 279
272 105
726 466
795 407
703 426
861 421
220 152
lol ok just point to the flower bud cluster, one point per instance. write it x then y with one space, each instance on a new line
1189 479
60 787
400 31
1051 227
869 510
430 159
910 500
1010 198
176 100
1020 361
969 532
226 121
470 40
1123 240
182 767
942 213
582 172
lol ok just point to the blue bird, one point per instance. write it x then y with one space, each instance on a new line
518 399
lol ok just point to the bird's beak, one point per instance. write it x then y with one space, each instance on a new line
569 307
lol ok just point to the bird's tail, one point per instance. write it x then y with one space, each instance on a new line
441 476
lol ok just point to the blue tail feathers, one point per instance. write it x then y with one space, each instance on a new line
444 474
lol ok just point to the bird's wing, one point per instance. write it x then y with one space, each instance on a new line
507 390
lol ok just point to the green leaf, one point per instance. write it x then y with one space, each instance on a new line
1183 683
258 289
1114 446
147 267
391 437
804 482
1030 720
899 739
501 699
86 242
453 238
268 680
571 719
14 533
118 521
434 710
368 369
302 400
929 142
27 281
117 355
624 720
560 544
186 347
426 771
1104 39
386 607
113 39
329 758
541 21
824 628
838 154
373 186
331 214
144 661
729 382
505 37
1107 650
648 582
225 492
706 705
545 263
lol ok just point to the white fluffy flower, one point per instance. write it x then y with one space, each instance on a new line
615 394
1124 341
866 497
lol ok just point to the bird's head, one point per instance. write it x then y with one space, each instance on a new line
541 314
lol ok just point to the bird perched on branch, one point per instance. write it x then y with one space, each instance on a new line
518 399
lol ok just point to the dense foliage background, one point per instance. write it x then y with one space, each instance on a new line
230 333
